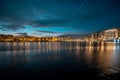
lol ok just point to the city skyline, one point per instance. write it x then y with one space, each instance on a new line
58 17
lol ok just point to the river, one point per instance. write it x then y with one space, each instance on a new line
30 60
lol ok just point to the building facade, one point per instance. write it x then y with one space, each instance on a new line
106 35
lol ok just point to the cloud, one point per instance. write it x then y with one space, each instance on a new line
11 27
23 34
49 22
82 15
45 31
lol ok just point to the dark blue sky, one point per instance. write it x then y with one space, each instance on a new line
55 17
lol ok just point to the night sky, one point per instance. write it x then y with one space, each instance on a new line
56 17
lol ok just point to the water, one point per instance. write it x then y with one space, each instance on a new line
51 60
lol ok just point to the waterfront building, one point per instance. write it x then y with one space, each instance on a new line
106 35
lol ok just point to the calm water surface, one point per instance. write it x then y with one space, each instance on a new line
60 59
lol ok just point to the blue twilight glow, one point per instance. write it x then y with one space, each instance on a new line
57 17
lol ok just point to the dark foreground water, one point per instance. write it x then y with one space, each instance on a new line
59 60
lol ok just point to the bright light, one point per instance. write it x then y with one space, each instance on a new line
114 40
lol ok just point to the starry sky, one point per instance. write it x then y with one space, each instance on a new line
58 17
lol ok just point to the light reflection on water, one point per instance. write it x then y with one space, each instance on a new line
102 56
